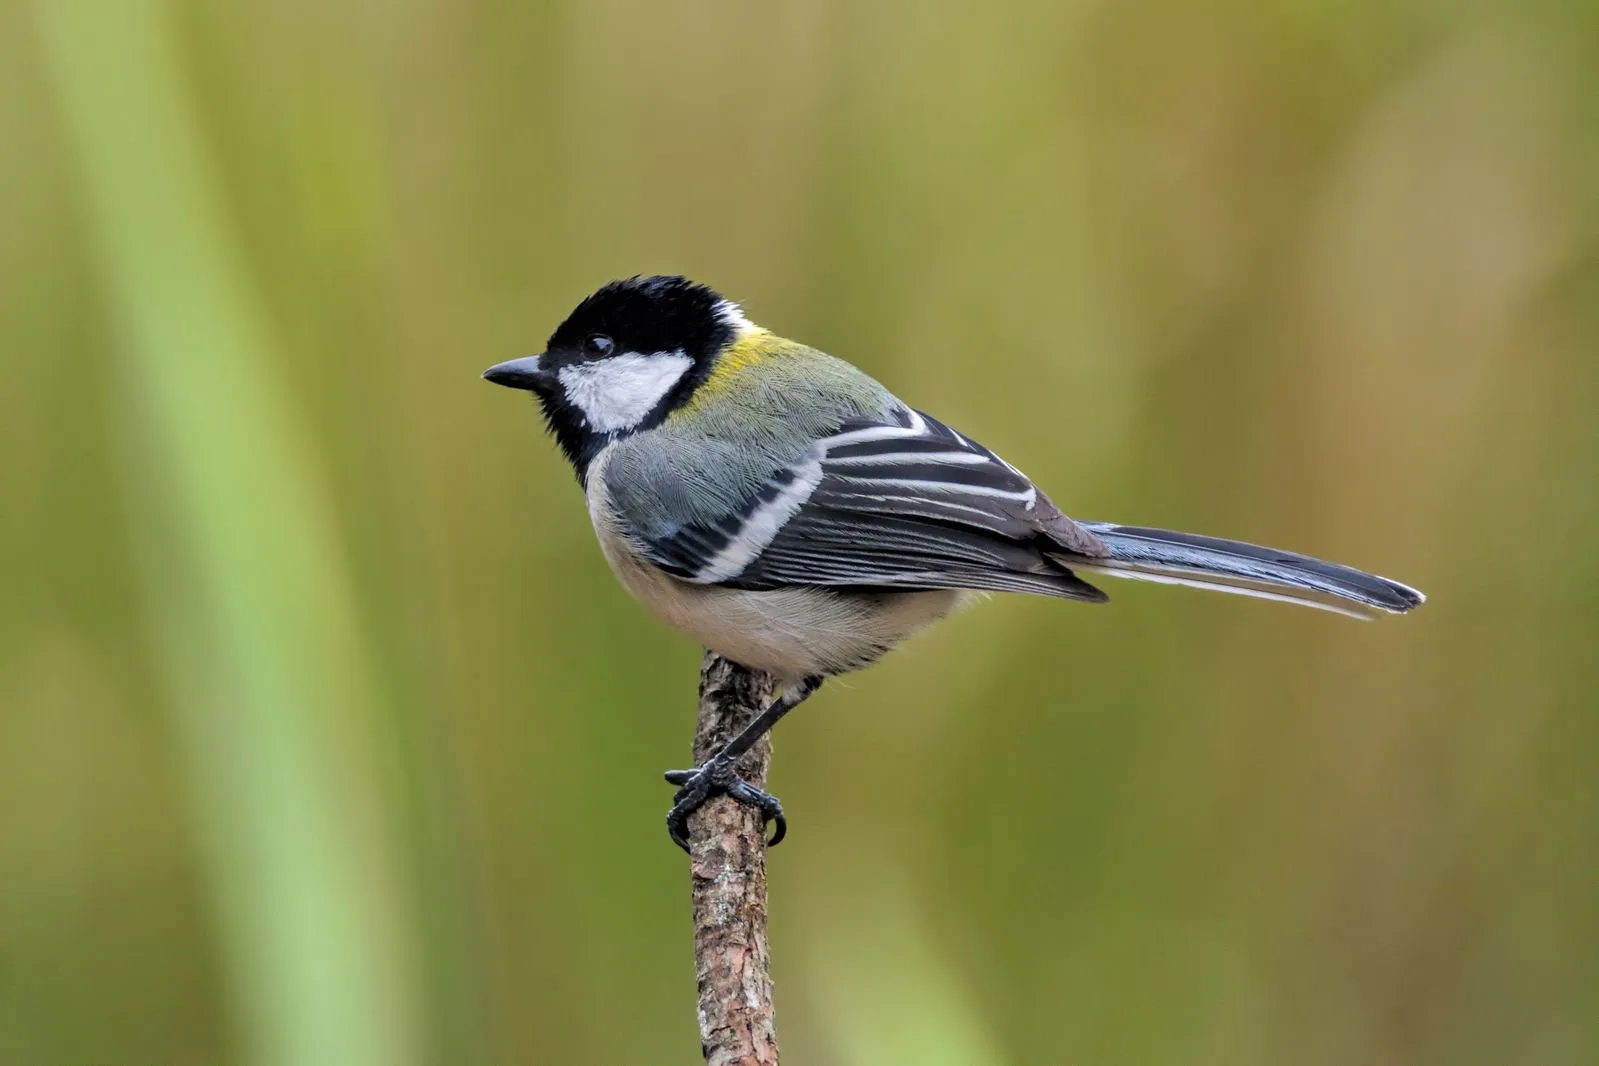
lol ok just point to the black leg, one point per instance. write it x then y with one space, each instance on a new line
719 775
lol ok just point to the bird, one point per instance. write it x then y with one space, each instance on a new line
788 512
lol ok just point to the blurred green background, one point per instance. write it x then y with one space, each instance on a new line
326 737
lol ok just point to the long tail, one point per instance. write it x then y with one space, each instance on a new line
1246 569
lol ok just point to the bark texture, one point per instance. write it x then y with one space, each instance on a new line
727 854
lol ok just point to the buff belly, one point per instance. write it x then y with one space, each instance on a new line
788 632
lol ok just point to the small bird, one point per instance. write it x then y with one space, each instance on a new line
791 514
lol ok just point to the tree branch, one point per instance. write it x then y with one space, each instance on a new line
727 854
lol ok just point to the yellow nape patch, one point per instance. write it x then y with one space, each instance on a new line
753 347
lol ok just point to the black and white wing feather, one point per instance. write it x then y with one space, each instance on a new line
902 502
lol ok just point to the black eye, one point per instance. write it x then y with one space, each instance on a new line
598 346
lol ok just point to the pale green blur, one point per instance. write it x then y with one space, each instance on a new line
326 737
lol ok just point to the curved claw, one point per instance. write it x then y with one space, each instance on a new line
700 784
677 828
771 810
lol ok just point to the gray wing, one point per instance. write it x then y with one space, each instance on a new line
901 501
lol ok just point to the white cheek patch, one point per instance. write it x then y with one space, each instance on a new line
617 393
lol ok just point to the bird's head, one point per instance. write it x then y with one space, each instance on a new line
624 359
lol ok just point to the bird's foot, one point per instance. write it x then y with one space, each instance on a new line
717 778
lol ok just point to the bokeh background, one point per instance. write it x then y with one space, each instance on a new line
325 736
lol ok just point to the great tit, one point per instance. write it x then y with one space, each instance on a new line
790 513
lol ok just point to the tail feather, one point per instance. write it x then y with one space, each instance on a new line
1245 569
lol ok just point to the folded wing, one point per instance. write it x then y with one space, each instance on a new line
901 502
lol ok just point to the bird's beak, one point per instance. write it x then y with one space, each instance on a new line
524 373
